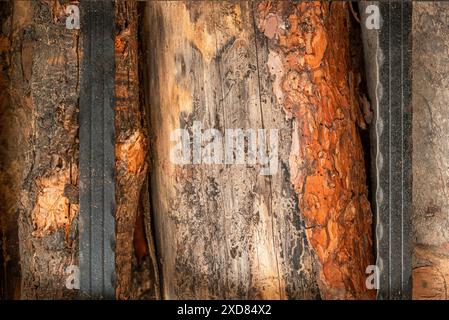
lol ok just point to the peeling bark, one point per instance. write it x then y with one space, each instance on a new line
132 246
44 95
309 56
223 231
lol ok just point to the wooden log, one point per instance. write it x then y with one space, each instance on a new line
40 167
132 170
9 168
309 49
225 231
430 93
44 94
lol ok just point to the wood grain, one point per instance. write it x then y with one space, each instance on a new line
223 231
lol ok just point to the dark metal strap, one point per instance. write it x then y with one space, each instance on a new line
393 161
97 190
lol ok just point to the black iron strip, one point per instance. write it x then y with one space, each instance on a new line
388 61
392 154
395 145
97 190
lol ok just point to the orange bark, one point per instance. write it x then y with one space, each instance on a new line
309 46
131 144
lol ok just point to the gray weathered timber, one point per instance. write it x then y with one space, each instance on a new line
430 150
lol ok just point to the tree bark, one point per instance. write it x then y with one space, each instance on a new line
309 48
229 231
135 245
39 176
9 168
225 231
44 94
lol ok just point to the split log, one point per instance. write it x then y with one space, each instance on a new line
224 230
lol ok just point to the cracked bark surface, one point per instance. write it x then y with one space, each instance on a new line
39 176
225 231
44 94
136 265
430 94
310 58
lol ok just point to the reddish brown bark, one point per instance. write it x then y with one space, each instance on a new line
131 164
42 146
309 43
309 58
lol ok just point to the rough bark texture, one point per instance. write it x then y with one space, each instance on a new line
224 231
44 95
309 55
430 93
39 82
9 169
133 258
